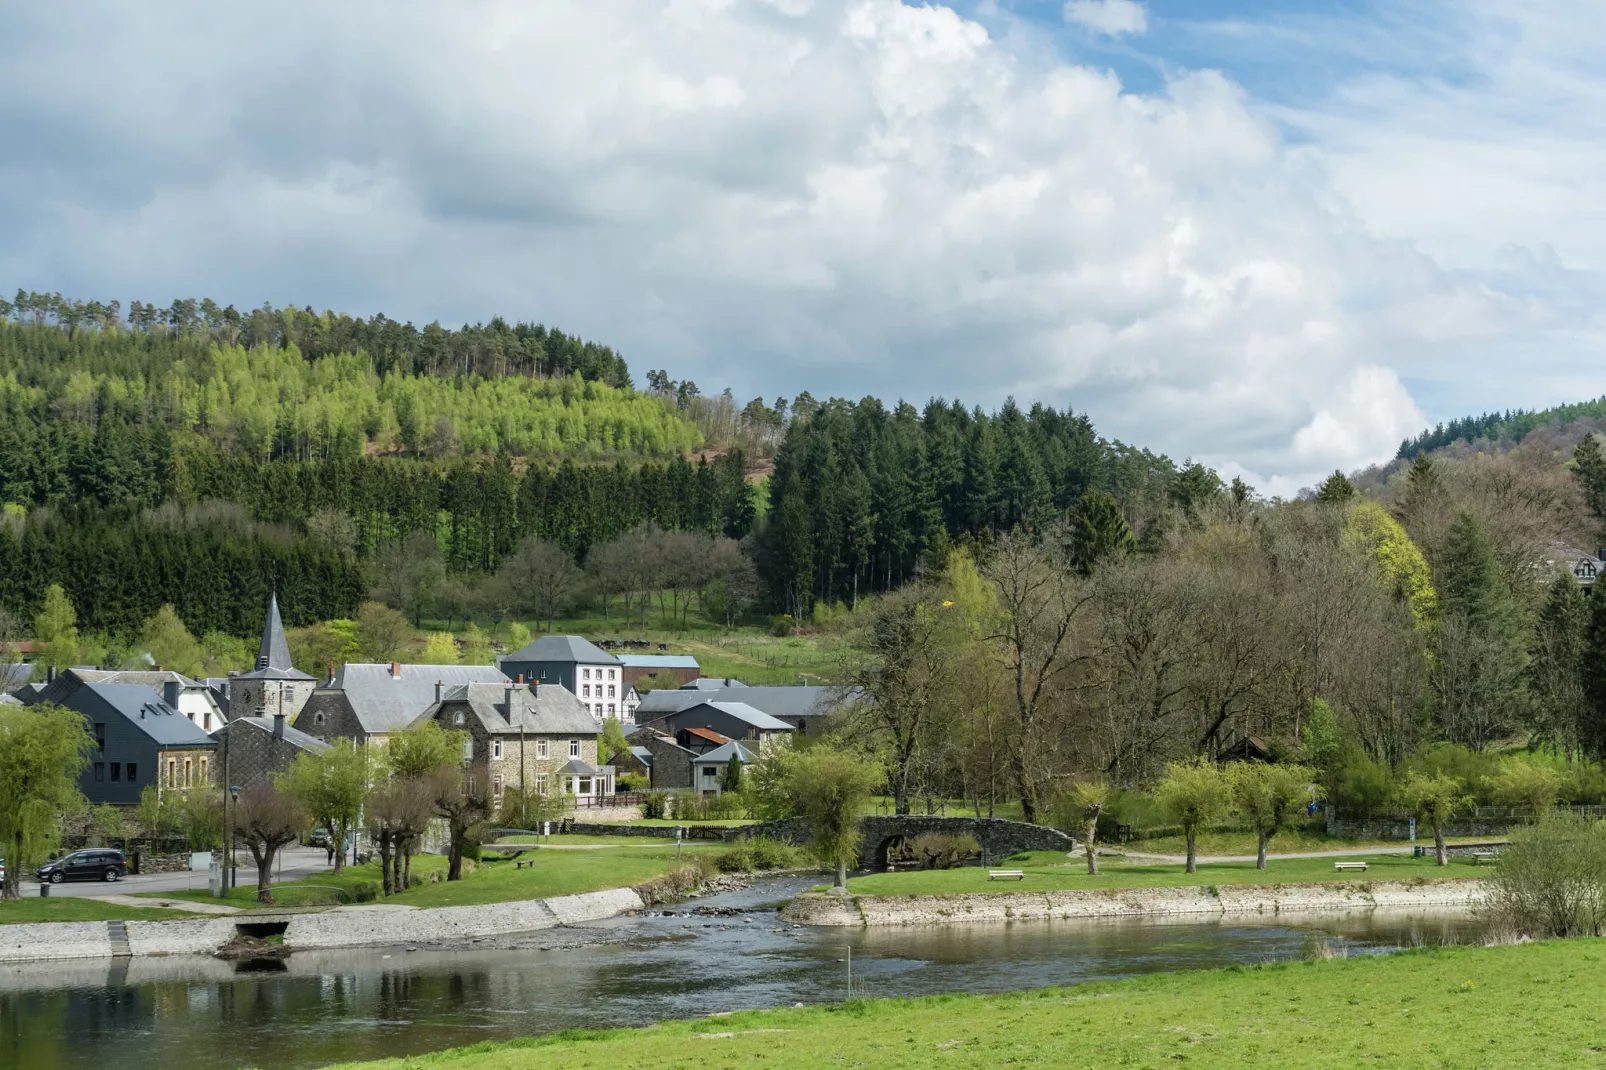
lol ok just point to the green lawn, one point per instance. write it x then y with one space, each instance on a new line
1288 841
1530 1006
1048 871
491 881
35 909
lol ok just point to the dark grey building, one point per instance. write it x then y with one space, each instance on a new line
801 707
251 749
587 671
139 739
668 763
731 720
369 700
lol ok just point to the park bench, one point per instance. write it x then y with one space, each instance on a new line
1344 867
522 862
1480 857
1006 874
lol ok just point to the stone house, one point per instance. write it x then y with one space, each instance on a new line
368 702
587 671
668 763
535 736
251 749
707 768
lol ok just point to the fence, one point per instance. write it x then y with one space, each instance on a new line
609 802
1478 821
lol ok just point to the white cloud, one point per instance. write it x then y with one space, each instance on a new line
847 196
1113 17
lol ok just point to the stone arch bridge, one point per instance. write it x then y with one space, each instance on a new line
879 834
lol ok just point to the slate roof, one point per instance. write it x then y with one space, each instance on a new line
147 711
643 755
721 755
546 710
291 735
576 767
273 655
711 683
385 704
658 661
813 701
563 648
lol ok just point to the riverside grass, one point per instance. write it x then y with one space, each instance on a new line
1048 871
1526 1006
34 910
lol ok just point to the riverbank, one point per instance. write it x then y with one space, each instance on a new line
1203 901
1505 1006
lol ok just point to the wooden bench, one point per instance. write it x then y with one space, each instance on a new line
1006 874
1480 857
520 863
1344 867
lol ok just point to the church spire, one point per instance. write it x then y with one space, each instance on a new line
274 653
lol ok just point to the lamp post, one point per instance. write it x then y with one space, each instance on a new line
234 794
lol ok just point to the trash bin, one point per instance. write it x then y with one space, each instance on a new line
44 889
1416 850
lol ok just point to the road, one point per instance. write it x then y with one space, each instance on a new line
295 863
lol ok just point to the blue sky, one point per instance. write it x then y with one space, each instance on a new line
1276 235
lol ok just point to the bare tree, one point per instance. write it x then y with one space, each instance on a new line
464 805
266 819
540 577
397 811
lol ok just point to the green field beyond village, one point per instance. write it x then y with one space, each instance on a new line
1535 1005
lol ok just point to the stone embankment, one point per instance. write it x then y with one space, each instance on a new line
356 926
1204 902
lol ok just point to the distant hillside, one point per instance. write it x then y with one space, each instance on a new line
1512 426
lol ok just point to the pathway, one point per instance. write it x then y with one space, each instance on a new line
171 904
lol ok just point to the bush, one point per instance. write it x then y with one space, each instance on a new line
471 851
782 625
691 806
655 806
939 850
361 892
759 853
1360 788
1551 879
629 783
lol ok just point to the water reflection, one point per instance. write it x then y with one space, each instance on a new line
326 1007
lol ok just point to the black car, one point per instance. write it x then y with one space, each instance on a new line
90 864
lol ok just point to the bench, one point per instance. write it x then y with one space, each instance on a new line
522 862
1006 874
1344 867
1480 857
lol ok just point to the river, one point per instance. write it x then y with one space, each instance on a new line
325 1007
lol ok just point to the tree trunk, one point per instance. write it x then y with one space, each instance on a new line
1438 845
454 866
385 871
338 832
264 861
1260 855
407 864
842 877
1193 855
1088 845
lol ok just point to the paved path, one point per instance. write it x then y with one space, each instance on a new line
297 864
172 904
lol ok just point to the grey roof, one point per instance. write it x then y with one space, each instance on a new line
545 710
658 661
149 714
384 703
711 683
775 701
291 735
274 653
642 754
563 648
575 767
9 700
722 754
751 715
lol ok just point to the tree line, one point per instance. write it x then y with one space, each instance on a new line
1513 425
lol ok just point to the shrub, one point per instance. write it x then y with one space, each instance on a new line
655 806
940 850
361 892
629 783
1551 880
471 851
691 806
759 853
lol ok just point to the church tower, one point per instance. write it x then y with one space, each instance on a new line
275 686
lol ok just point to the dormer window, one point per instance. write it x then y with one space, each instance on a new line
458 718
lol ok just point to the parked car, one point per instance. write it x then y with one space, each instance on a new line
90 864
318 838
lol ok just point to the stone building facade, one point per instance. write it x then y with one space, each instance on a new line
252 749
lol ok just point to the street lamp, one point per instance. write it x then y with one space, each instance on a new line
234 794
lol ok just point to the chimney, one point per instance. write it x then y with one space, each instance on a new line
278 725
156 668
50 675
438 688
170 693
521 680
395 670
507 697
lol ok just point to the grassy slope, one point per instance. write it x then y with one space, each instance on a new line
32 910
556 873
1533 1005
1047 871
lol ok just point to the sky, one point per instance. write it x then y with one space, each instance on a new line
1276 236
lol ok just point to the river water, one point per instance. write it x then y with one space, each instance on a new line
325 1007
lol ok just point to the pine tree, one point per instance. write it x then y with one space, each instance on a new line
1558 670
1481 665
1098 532
1336 489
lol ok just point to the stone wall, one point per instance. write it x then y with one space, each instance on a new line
998 838
1222 901
589 827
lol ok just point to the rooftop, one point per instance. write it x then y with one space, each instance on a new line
545 710
291 735
721 755
563 648
775 701
387 697
658 661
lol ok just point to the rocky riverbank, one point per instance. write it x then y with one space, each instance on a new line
1224 900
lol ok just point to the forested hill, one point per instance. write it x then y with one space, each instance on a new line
1511 426
199 457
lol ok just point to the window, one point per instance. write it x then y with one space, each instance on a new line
710 773
496 786
458 718
187 780
613 691
133 772
574 748
317 718
610 709
172 772
597 709
585 786
585 691
289 694
496 748
612 676
540 748
117 771
540 783
100 771
203 770
585 674
100 736
470 788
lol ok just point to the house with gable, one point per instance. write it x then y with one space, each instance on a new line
253 749
192 698
706 724
589 672
707 768
368 702
532 736
804 708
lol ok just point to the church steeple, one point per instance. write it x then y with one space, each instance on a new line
274 653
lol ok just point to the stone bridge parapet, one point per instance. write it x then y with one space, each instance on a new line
998 838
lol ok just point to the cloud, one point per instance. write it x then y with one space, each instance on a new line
843 196
1113 17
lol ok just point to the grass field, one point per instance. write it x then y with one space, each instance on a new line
555 873
1534 1005
1049 871
35 909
